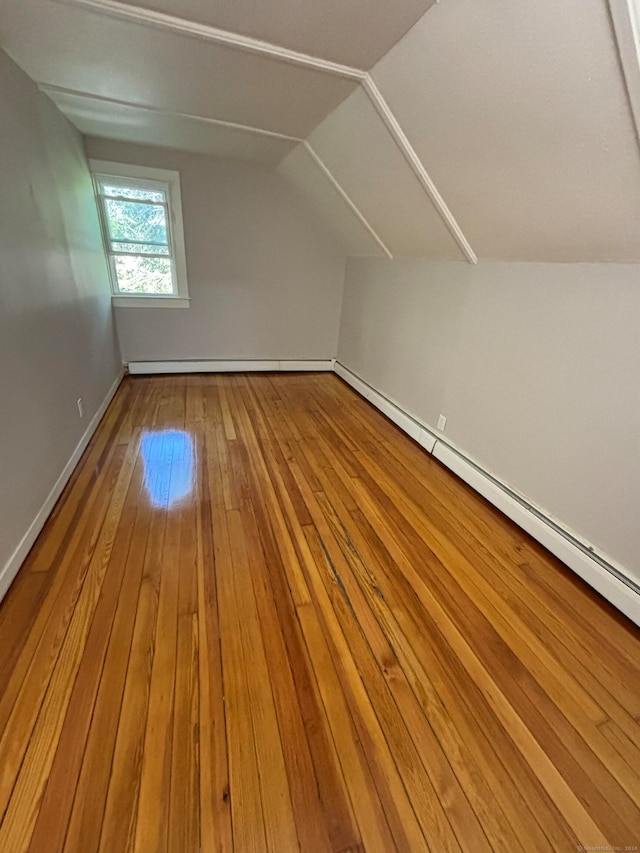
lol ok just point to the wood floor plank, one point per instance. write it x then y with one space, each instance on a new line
183 802
215 814
260 618
244 784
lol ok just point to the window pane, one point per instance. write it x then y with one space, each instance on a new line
140 248
143 223
144 275
133 192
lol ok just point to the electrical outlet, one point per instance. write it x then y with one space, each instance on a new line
80 407
442 422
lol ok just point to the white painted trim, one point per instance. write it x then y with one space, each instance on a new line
104 168
600 571
626 22
122 301
322 365
13 564
346 198
402 141
231 125
245 365
162 21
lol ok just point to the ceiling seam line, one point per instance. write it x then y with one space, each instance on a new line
400 138
75 93
346 198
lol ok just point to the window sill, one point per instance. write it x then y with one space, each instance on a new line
151 301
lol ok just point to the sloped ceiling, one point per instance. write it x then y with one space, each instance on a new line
527 132
491 128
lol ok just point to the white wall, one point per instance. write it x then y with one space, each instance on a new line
535 366
265 280
57 339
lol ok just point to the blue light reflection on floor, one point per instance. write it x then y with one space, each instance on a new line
168 466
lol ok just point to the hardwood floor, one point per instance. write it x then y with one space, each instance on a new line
261 618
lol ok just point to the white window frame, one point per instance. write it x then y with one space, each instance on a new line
137 176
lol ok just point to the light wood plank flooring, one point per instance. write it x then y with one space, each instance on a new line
261 618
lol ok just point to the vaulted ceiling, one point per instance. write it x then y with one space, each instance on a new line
491 128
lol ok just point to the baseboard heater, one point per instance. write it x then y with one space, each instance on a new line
237 365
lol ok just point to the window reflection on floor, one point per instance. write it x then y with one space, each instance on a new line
168 466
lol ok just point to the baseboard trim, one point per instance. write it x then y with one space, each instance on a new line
12 566
601 572
246 365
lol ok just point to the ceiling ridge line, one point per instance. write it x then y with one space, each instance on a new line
76 93
346 197
162 20
402 141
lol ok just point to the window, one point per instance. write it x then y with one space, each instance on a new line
141 216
